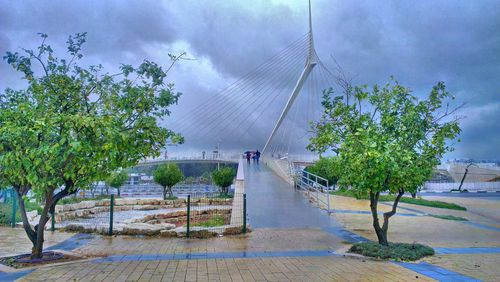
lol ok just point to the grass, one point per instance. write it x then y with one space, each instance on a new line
224 196
449 217
396 251
172 198
408 200
74 200
6 211
213 221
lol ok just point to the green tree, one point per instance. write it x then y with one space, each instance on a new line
326 167
117 180
73 125
224 178
387 141
167 175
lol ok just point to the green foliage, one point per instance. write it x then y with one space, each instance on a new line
224 178
408 200
386 141
213 221
167 175
74 125
117 180
396 251
6 211
434 204
449 217
74 200
326 167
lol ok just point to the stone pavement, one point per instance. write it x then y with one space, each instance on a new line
14 241
254 269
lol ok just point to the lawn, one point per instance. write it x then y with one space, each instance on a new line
408 200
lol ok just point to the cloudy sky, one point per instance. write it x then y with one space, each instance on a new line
419 42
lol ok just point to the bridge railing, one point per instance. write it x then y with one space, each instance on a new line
315 188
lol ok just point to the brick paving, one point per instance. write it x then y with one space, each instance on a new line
258 269
481 266
14 241
264 239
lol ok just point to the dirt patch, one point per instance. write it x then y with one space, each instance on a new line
24 260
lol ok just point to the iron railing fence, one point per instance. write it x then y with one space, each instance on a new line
315 188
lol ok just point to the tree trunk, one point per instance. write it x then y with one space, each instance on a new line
170 193
118 192
26 225
164 192
381 234
414 195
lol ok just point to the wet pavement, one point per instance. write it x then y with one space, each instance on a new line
274 203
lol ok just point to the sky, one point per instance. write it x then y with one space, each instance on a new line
417 42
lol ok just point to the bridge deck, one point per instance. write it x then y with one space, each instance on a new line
274 203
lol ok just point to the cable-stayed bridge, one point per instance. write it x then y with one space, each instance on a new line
268 109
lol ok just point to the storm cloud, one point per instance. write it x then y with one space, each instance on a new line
418 42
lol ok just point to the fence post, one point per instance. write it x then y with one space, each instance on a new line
14 208
188 214
111 210
244 213
53 222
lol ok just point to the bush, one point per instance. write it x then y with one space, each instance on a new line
327 167
224 178
396 251
6 211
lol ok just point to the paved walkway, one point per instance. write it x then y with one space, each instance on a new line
273 203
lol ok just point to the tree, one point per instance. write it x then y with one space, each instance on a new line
387 141
224 178
167 175
326 167
117 180
74 125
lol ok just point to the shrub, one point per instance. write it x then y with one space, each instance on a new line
396 251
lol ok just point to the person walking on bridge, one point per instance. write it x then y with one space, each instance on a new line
257 156
248 155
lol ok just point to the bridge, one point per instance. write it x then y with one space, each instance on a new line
270 109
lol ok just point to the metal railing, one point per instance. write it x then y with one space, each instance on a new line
315 188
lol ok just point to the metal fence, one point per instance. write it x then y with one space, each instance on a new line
197 215
8 207
216 214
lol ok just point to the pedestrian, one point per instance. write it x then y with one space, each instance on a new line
257 156
248 155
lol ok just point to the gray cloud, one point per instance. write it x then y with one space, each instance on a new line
419 43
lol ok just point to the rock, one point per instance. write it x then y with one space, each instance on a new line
168 233
141 229
233 230
167 226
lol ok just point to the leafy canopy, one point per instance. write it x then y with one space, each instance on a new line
168 174
326 167
393 143
73 125
224 177
117 179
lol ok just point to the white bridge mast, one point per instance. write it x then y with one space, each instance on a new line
310 63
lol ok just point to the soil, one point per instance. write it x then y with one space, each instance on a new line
23 261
